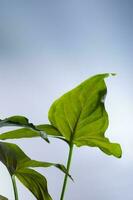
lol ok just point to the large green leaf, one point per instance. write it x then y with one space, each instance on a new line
80 116
17 162
22 121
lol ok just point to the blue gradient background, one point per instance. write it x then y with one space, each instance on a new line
47 48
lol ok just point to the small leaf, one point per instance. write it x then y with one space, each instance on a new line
35 182
35 163
16 121
19 133
22 122
3 198
29 133
80 115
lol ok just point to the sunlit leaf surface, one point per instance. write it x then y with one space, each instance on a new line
80 116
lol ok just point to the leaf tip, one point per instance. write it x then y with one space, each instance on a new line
113 74
110 74
117 150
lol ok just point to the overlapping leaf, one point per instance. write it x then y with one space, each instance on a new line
18 163
30 133
80 115
30 130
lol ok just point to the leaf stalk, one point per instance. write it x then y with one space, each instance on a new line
14 187
68 168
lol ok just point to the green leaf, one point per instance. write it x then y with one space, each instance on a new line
17 162
19 133
30 133
49 129
16 121
35 163
3 198
35 182
22 122
80 116
14 158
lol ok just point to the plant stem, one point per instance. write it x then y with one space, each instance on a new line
14 187
68 168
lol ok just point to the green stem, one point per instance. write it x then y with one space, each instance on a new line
14 187
68 168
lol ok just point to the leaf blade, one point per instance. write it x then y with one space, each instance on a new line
21 121
35 182
80 114
30 133
17 161
35 163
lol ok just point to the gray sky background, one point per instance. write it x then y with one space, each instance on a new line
46 49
